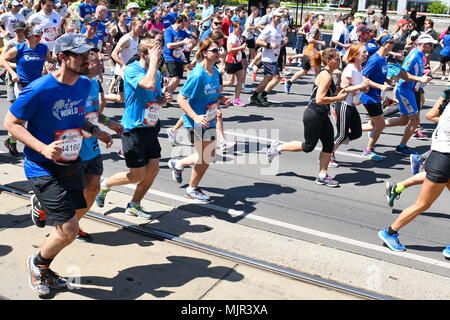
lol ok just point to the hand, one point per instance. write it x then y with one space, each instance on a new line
103 137
425 79
15 78
226 101
168 96
341 95
115 126
365 84
155 53
52 151
201 119
386 87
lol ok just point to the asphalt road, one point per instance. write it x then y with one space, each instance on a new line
283 198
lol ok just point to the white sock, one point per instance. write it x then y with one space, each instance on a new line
278 148
177 165
322 175
103 183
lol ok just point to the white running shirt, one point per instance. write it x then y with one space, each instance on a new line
441 136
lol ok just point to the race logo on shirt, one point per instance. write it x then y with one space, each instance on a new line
210 89
62 108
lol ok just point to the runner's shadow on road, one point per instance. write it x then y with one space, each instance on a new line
426 214
119 238
4 250
361 177
132 283
425 248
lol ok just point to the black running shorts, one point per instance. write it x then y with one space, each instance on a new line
374 109
175 69
437 167
93 166
232 68
140 145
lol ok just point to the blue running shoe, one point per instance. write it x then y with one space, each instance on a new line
415 163
446 252
391 241
404 150
372 156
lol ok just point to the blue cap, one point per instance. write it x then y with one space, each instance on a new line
387 38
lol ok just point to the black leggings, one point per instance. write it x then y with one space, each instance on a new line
317 126
348 122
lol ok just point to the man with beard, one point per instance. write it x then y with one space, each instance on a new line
143 98
53 107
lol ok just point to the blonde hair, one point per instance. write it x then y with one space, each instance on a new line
203 47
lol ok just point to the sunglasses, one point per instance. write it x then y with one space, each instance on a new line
214 50
217 23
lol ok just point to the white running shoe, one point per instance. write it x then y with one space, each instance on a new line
172 136
273 152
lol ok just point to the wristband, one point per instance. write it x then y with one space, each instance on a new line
92 129
106 121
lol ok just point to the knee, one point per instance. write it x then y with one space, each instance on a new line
307 148
135 177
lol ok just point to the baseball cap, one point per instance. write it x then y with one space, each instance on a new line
90 19
132 5
15 3
73 42
278 12
386 39
426 38
18 25
402 22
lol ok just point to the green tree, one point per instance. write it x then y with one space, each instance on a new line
144 4
437 7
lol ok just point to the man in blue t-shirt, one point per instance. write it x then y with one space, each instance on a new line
92 163
376 71
175 38
143 99
52 108
411 74
86 8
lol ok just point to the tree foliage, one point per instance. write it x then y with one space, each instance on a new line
437 7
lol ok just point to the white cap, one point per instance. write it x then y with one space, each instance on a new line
15 3
426 38
278 12
132 5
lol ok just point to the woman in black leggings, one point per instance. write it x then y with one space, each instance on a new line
316 121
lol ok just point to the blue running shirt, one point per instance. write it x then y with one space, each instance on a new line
172 36
90 148
141 109
53 110
376 71
30 61
414 65
202 91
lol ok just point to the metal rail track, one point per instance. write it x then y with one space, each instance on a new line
296 275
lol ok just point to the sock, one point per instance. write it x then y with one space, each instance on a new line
41 261
399 187
103 184
12 140
133 204
278 148
322 175
391 231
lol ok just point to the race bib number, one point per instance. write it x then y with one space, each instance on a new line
177 52
211 111
50 34
71 145
151 116
92 117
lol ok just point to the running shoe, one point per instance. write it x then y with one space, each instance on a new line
38 215
42 278
446 252
246 89
83 236
282 80
121 153
172 136
177 174
196 194
237 102
263 100
137 211
371 155
224 145
254 99
327 181
391 241
273 152
254 77
416 164
391 194
404 150
333 163
100 198
12 147
419 135
287 87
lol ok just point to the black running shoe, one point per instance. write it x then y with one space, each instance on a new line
84 236
38 214
12 147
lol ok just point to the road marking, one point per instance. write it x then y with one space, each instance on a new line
250 216
348 154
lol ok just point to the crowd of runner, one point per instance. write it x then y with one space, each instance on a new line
54 56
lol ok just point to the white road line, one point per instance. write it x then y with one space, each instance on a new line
348 154
238 213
